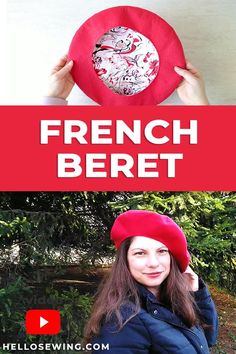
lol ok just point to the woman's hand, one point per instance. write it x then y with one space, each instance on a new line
60 79
191 91
192 279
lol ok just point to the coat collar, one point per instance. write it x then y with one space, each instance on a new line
156 309
145 294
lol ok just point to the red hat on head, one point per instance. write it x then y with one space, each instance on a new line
153 225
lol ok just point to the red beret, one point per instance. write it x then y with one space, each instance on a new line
144 23
153 225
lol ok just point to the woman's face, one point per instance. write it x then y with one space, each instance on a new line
149 262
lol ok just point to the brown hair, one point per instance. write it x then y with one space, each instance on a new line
120 288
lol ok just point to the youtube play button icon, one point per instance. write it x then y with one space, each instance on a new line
42 322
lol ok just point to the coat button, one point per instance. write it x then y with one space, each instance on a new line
155 312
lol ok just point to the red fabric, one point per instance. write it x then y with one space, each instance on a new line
155 226
147 23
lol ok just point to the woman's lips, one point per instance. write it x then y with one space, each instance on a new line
153 275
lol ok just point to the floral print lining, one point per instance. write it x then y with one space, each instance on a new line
125 60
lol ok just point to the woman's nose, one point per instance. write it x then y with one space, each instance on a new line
153 261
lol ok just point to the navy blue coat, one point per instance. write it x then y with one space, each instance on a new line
156 330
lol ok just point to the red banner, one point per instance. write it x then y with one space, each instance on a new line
164 148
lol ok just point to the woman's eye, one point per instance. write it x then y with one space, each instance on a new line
163 251
140 253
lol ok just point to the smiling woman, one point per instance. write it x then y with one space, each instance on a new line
152 301
149 262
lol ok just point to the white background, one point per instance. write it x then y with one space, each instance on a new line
38 32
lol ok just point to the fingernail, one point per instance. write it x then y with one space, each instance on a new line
70 62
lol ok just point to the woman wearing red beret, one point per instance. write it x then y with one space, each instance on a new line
152 301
